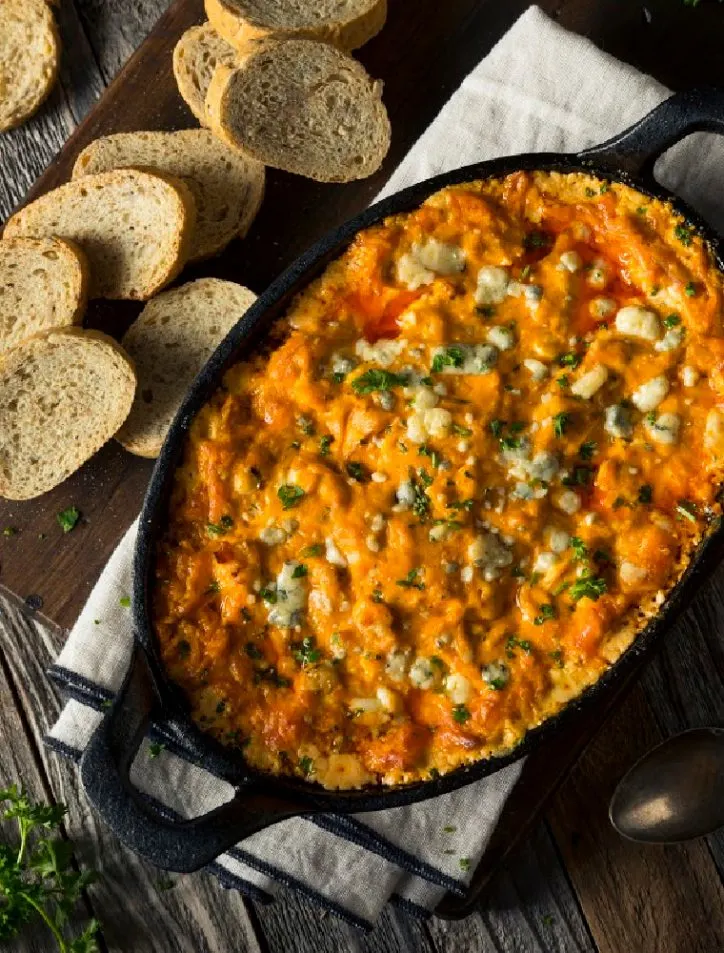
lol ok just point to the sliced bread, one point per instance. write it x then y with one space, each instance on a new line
29 59
304 107
170 341
227 186
195 57
346 24
43 285
63 394
135 228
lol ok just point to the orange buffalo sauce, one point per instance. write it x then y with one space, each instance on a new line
477 455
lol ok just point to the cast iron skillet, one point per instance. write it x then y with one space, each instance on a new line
148 697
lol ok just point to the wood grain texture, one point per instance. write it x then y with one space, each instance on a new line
646 899
138 913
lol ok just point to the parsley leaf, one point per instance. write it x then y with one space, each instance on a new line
587 449
591 587
411 581
461 714
218 529
546 613
306 651
452 356
683 233
376 379
357 472
68 518
560 423
325 443
290 495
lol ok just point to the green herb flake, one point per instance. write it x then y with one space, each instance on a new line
592 587
435 458
68 518
671 320
563 381
449 829
357 471
411 581
253 651
10 531
569 359
300 571
580 550
461 714
604 188
377 380
587 450
290 495
220 528
453 356
684 233
125 602
268 595
155 748
313 551
461 505
690 289
536 239
461 431
306 766
465 864
377 596
560 424
306 651
589 192
496 427
325 443
546 613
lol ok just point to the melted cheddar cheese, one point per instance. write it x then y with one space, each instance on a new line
474 457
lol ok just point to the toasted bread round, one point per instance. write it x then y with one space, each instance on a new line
135 227
304 107
63 394
195 57
43 285
29 59
227 186
346 24
170 341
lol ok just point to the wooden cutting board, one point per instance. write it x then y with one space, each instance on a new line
422 55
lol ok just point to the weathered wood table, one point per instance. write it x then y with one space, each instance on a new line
572 885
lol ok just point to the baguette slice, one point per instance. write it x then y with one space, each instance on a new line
63 394
303 107
170 341
195 57
29 59
347 24
43 285
227 186
134 226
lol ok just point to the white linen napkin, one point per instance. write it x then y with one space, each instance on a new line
540 89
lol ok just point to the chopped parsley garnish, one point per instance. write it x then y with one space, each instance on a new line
487 310
461 505
449 829
218 529
560 423
496 427
155 748
421 501
589 192
435 458
269 595
290 495
683 233
325 443
461 431
591 587
465 864
570 359
513 643
10 531
306 766
461 714
253 651
213 587
306 651
560 588
125 602
604 188
411 581
377 595
546 613
587 449
580 476
557 656
452 356
357 471
300 571
645 493
375 379
310 552
306 425
641 210
580 550
687 510
671 320
563 381
690 289
68 518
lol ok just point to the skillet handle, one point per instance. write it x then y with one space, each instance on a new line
636 149
177 845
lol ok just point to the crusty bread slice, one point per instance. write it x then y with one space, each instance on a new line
304 107
29 59
195 57
227 186
135 227
346 24
43 285
170 341
63 394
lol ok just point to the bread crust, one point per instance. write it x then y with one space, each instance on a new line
191 90
45 29
228 19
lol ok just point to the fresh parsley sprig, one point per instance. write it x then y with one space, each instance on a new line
37 877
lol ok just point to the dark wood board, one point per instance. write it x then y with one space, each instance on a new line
423 54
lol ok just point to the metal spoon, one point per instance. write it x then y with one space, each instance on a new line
675 792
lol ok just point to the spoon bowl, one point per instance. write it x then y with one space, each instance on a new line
675 792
